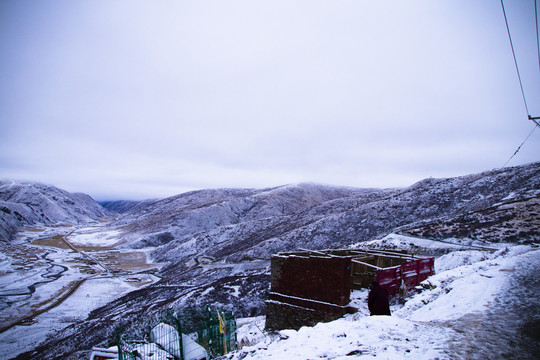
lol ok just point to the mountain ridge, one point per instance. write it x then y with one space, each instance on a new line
216 244
282 219
32 203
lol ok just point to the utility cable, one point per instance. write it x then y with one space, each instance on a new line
519 147
537 33
537 124
515 60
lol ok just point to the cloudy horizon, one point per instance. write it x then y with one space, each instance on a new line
134 99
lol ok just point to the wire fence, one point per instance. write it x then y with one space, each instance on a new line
160 337
218 332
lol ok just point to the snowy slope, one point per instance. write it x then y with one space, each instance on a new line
517 217
237 224
217 244
23 204
216 213
435 323
124 206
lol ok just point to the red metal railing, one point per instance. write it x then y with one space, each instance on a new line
410 272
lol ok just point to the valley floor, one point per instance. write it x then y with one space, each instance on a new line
53 277
480 304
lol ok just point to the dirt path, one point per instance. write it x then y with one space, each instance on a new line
106 263
70 245
511 328
56 303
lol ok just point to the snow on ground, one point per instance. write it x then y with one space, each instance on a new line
459 258
462 290
352 336
95 237
411 243
91 295
250 331
468 285
16 298
34 277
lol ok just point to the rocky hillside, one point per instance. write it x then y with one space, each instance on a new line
124 206
217 243
24 204
244 224
515 219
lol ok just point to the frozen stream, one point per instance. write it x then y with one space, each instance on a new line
14 300
53 272
53 285
33 280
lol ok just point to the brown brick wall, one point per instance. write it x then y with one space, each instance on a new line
326 279
281 315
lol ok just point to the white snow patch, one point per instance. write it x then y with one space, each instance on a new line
93 237
459 258
468 284
91 295
207 291
235 289
408 242
250 331
356 335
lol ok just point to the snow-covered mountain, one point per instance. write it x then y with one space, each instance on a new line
247 224
24 204
216 244
124 206
212 220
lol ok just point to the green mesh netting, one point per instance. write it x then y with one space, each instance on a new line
217 332
158 337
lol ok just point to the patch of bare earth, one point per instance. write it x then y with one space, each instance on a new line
510 329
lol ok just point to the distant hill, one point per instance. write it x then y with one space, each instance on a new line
246 224
217 243
124 206
24 204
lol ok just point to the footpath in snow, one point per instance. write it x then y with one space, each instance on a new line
479 305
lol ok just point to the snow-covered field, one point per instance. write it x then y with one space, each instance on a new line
95 237
91 295
33 278
465 311
427 326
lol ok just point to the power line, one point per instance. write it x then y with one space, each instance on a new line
537 33
515 60
534 119
519 147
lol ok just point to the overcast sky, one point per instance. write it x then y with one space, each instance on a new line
143 99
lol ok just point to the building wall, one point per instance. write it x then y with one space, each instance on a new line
307 290
281 315
326 279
